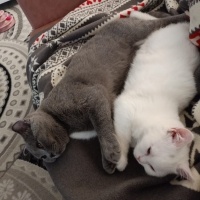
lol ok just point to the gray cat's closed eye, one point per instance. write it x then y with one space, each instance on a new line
39 145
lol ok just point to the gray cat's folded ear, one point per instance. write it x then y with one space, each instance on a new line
21 127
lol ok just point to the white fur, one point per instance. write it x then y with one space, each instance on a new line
84 135
141 15
159 85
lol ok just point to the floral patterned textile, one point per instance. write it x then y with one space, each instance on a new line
25 181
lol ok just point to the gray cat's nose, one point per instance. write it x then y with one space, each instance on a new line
44 157
52 155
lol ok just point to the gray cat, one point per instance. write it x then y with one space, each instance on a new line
83 99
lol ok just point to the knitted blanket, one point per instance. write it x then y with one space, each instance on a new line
78 173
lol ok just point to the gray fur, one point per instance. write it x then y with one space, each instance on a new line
83 99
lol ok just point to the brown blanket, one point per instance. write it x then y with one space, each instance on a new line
78 173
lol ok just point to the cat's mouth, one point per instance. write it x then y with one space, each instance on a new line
142 163
48 160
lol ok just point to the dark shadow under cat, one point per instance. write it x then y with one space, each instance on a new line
83 99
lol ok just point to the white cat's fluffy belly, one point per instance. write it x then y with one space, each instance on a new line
160 83
169 62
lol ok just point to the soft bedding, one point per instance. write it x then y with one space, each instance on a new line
78 173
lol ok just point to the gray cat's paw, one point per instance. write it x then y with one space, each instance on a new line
111 150
108 166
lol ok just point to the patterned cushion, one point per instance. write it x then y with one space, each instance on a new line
194 10
18 179
15 98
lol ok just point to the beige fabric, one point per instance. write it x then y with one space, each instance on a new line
25 181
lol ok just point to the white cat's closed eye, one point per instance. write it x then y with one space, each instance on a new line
148 150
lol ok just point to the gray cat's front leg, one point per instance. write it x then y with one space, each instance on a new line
101 118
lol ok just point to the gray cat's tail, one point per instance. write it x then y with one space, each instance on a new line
138 28
143 28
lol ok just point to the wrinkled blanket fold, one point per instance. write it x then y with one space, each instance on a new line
79 176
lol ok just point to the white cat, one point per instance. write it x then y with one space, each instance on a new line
159 85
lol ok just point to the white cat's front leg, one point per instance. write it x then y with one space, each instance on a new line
124 145
123 130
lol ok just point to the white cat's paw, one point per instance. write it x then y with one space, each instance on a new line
122 163
141 15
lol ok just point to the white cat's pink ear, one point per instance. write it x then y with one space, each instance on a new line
21 127
185 172
181 136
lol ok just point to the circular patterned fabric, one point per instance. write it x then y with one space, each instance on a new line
15 99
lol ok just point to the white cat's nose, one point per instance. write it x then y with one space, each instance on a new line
139 159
